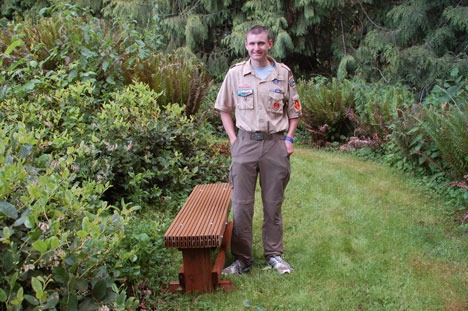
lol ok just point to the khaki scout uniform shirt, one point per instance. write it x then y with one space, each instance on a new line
260 105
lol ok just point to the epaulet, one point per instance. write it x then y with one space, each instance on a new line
239 64
285 67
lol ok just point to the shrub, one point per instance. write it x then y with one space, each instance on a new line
178 77
56 233
153 155
432 134
142 262
327 109
447 130
147 154
85 48
379 106
108 55
409 146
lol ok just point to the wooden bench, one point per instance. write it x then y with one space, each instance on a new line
200 228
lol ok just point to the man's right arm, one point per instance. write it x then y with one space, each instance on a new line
228 124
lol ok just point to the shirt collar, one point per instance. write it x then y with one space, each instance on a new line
248 68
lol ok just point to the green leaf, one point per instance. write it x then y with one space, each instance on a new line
3 295
30 85
8 262
7 233
25 151
88 304
82 234
71 304
20 221
52 301
99 290
60 275
9 210
31 299
53 242
30 221
40 246
37 286
13 46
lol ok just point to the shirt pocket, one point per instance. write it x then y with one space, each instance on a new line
275 103
244 102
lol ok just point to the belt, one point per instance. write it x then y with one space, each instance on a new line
260 136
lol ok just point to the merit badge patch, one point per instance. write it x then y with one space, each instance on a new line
297 105
244 92
276 106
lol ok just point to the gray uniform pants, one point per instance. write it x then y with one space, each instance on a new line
268 158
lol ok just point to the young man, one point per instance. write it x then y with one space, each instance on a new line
263 95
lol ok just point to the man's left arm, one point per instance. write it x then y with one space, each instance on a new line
291 131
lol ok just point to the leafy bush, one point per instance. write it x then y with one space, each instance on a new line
154 155
430 135
379 106
56 233
433 134
78 153
108 55
327 105
447 130
85 48
149 155
141 262
337 109
409 146
178 77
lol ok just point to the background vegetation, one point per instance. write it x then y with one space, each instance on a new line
106 122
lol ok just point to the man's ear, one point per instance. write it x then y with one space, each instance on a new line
270 43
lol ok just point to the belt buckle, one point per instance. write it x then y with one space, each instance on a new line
257 136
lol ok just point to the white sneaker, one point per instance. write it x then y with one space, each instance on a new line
237 267
279 264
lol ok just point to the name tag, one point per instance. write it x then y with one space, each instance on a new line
278 91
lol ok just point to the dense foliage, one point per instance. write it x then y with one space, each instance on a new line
83 147
431 135
56 233
104 115
108 55
413 42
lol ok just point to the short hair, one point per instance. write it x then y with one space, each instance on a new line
257 29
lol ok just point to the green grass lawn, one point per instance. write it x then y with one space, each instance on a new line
359 237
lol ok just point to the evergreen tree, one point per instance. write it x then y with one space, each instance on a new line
308 34
420 43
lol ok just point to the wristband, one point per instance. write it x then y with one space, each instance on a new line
290 139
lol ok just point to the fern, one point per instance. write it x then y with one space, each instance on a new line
447 130
458 17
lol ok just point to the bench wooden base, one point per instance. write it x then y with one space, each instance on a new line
197 274
200 228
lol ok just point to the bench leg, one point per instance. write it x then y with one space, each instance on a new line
221 260
197 270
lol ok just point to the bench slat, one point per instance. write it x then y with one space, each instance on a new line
202 220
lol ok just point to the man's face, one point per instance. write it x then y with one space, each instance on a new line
258 46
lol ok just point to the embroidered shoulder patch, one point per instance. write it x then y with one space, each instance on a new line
297 105
292 83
